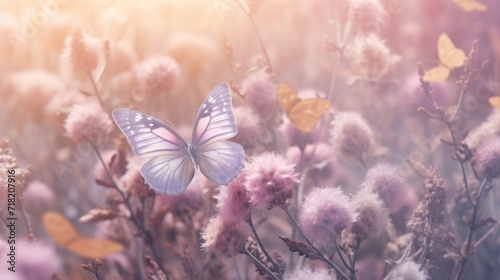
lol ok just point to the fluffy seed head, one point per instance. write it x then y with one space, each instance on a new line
37 261
157 74
224 238
485 131
233 200
308 274
249 130
84 53
487 158
270 180
369 57
385 181
351 135
366 16
407 270
371 216
326 212
38 198
87 122
260 92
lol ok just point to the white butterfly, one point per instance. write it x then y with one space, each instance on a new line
174 160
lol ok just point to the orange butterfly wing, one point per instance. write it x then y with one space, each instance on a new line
303 113
65 235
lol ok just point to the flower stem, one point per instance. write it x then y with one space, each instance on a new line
250 223
261 265
142 230
468 246
262 46
323 258
96 91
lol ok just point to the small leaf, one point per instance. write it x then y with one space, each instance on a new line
97 215
300 247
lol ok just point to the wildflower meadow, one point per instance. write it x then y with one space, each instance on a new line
250 139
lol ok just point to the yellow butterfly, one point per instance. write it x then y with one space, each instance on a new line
303 113
495 101
471 5
65 235
450 57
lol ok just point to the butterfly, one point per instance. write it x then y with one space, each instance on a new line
495 101
303 113
65 235
174 161
450 57
470 5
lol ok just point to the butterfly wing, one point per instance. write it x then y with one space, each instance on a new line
287 97
436 74
495 101
306 113
59 228
215 119
92 248
169 174
221 161
470 5
449 55
171 169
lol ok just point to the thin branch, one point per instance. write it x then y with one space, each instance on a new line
261 265
250 223
323 258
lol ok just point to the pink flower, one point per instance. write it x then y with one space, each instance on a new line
407 270
351 135
270 180
233 200
325 214
157 74
295 137
371 216
225 238
37 261
38 198
487 158
385 181
366 16
87 122
306 273
259 91
133 180
370 268
250 130
85 54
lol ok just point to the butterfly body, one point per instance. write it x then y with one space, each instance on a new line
173 160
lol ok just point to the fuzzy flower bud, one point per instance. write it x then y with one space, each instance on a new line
250 130
84 53
270 180
371 216
385 181
87 122
37 261
260 92
157 74
225 238
366 16
308 274
38 198
233 200
407 270
326 212
369 57
487 158
351 135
